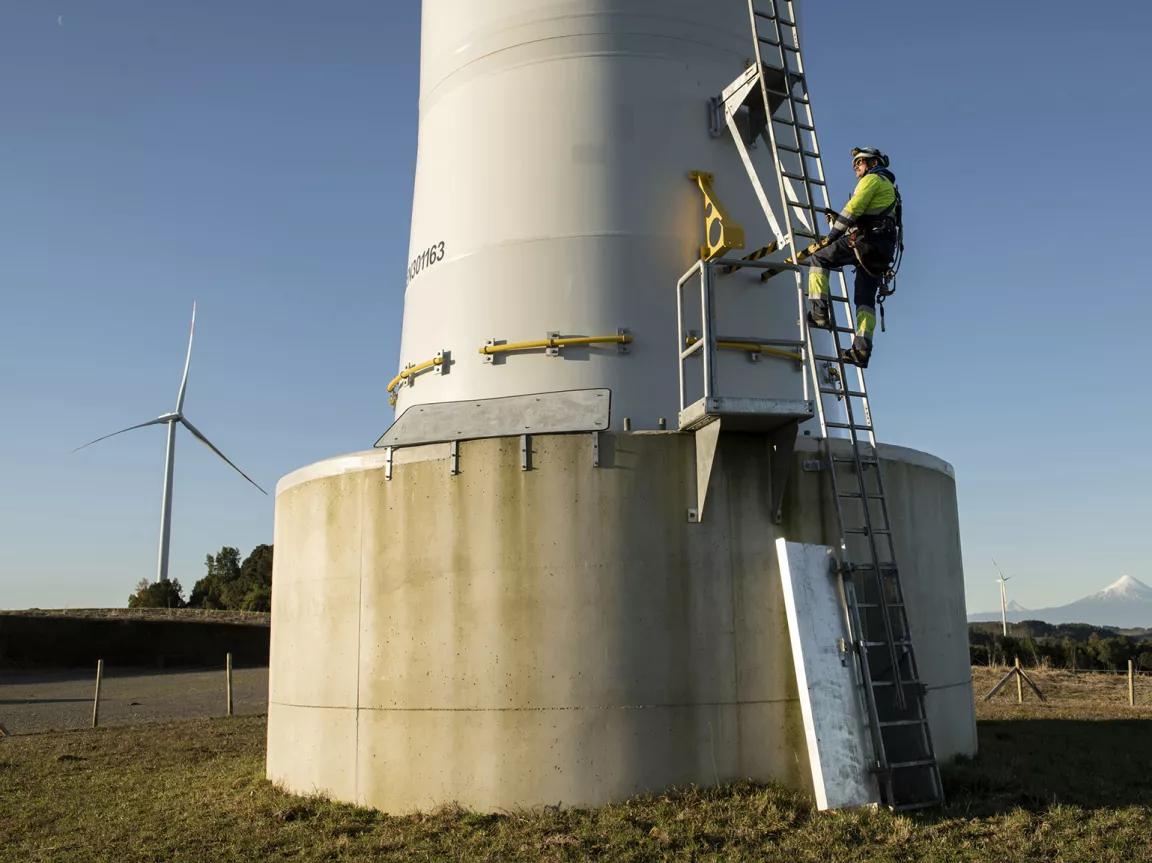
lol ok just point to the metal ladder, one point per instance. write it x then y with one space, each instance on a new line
904 758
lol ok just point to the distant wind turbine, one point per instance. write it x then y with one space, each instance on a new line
1003 597
170 420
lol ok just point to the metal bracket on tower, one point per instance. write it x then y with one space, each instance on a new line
454 458
525 452
706 439
388 462
552 350
722 233
595 449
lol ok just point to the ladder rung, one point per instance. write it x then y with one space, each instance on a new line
832 391
796 100
849 460
867 566
784 121
905 765
920 804
798 150
771 16
800 205
892 722
877 605
903 680
776 44
803 177
898 643
846 330
864 531
836 425
855 495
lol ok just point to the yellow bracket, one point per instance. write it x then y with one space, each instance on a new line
722 233
408 371
750 347
553 342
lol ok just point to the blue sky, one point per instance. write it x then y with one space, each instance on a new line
257 157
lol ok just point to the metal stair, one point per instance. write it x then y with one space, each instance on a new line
771 101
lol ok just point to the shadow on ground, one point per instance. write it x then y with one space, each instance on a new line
1036 763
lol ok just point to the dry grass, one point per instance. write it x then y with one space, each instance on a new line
1050 784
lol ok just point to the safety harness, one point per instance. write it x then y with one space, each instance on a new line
890 219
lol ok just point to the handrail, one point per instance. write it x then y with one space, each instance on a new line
750 347
557 342
408 371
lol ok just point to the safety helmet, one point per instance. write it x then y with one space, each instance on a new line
869 153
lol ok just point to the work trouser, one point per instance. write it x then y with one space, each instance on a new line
867 284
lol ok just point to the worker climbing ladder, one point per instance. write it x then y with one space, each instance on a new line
772 99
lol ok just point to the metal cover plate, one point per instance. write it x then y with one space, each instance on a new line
538 413
744 414
835 721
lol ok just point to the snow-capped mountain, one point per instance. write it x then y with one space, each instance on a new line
1125 603
1124 589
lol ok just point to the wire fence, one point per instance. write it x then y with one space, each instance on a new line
1067 686
35 700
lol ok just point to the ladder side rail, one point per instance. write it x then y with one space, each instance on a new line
870 536
707 334
680 335
860 649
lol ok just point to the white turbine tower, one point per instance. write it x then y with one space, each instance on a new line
1003 598
170 420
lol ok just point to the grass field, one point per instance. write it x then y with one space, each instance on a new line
1066 781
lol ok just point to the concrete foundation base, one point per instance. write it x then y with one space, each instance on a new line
504 637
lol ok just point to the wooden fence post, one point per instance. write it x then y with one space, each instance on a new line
1131 683
96 700
228 673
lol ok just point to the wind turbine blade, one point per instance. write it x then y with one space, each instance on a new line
157 421
187 362
200 437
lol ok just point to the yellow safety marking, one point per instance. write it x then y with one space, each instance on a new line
409 371
729 233
558 342
750 347
800 258
761 252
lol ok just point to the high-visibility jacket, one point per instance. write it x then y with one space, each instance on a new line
875 196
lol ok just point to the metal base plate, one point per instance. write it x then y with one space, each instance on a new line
744 414
539 413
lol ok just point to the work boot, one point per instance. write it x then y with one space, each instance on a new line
820 314
859 352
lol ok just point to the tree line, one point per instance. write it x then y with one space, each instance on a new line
230 583
1062 645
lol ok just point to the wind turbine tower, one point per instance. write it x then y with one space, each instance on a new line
1003 598
171 420
630 503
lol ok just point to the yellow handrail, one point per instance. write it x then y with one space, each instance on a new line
406 373
750 347
558 342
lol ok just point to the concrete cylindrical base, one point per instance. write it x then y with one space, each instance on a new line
505 637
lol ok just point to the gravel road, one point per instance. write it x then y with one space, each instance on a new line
48 700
